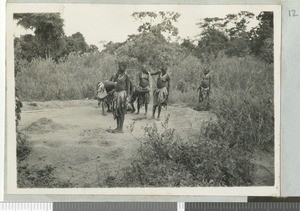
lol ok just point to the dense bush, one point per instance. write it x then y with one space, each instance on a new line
243 101
30 177
241 98
23 146
74 78
165 160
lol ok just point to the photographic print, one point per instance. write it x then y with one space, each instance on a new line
133 96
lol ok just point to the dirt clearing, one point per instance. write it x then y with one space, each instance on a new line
70 139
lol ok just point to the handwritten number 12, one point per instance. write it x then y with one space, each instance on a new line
292 13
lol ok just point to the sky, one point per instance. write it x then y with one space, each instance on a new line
114 22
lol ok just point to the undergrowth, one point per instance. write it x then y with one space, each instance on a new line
165 160
242 99
30 177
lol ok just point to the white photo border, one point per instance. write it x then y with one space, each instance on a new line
10 142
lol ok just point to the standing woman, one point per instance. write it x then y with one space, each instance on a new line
161 93
143 89
120 97
204 89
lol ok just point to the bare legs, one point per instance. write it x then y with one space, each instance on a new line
146 109
133 108
122 118
120 123
159 111
139 107
142 98
104 108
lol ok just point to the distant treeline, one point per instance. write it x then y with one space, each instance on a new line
231 35
242 98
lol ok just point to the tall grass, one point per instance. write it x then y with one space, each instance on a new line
74 78
165 160
241 97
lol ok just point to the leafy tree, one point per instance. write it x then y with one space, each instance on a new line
76 43
111 47
237 47
239 36
212 38
212 42
228 34
150 22
49 39
262 37
239 24
26 47
151 46
188 44
93 48
48 29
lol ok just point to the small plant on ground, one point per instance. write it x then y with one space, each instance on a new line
164 160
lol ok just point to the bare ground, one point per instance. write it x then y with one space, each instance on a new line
71 136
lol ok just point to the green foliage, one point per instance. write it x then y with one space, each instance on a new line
237 47
75 78
231 34
45 25
23 146
242 99
164 160
165 24
262 37
190 47
240 23
39 178
26 47
76 44
148 48
241 96
212 42
49 39
48 29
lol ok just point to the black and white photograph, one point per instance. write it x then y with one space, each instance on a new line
143 96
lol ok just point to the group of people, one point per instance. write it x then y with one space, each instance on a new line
119 92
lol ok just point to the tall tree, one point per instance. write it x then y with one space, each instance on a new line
239 24
76 43
26 47
229 34
152 44
47 27
262 37
93 48
158 23
189 45
212 41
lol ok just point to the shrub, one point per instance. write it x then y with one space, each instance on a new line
242 99
246 121
39 178
165 160
23 147
74 78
